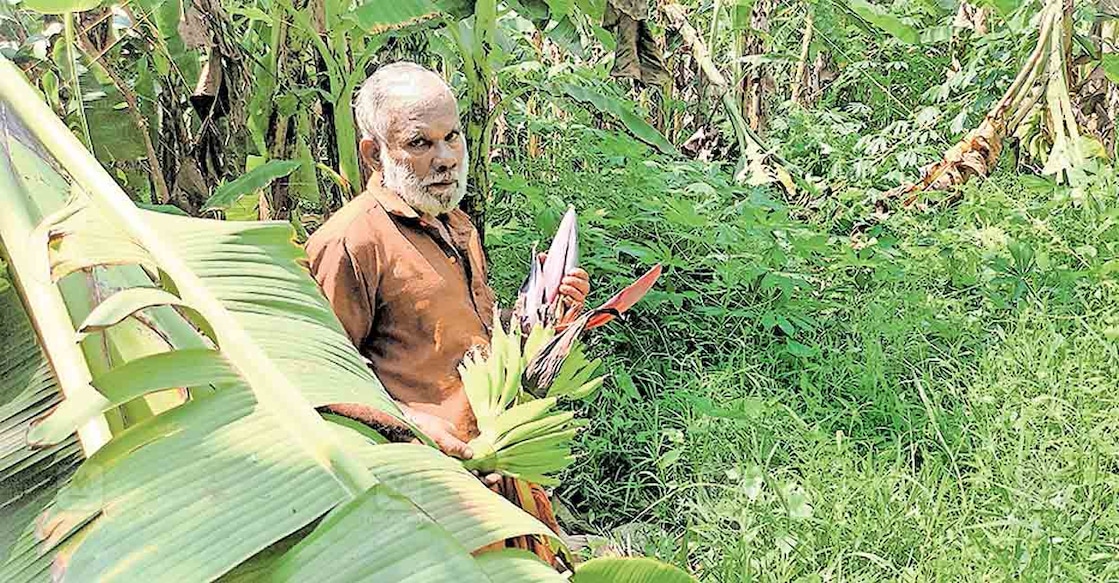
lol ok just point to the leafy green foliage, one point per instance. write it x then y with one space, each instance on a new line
376 17
1110 64
60 6
28 478
783 400
559 9
640 128
629 570
252 181
1004 7
886 21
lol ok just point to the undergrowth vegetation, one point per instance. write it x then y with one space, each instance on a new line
938 404
840 375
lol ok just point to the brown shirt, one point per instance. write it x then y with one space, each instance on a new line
411 292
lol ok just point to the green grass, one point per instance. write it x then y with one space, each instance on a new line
940 406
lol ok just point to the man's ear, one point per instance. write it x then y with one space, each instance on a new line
371 153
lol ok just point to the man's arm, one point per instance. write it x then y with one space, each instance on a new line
350 285
386 425
350 289
441 431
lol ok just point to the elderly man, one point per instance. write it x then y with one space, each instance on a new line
403 267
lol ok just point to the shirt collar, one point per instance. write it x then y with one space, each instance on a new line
459 223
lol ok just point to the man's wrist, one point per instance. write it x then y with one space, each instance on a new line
383 423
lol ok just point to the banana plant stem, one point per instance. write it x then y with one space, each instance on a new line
75 83
44 303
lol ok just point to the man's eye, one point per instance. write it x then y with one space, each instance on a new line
453 136
418 143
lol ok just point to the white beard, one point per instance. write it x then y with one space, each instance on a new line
401 179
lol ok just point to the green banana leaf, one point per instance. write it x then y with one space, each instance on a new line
376 17
883 19
629 570
60 6
637 126
1110 64
28 477
517 566
252 181
246 466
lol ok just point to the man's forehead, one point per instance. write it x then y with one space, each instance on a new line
417 115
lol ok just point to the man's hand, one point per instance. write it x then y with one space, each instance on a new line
441 431
489 480
575 285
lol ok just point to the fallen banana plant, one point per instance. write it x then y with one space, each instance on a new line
758 164
516 383
1036 109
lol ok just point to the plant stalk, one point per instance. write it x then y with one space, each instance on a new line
748 141
715 12
479 86
75 83
1029 72
802 61
43 300
163 195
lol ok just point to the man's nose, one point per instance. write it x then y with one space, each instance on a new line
446 159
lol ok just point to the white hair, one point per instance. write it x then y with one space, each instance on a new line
378 92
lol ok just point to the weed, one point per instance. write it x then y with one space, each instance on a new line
937 406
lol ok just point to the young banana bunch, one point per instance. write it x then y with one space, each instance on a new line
521 435
515 386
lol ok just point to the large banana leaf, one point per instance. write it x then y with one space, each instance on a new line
640 128
28 477
193 492
629 570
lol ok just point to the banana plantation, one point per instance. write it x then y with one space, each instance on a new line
559 290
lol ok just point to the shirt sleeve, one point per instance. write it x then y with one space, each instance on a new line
349 284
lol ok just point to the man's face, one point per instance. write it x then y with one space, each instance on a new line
423 158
